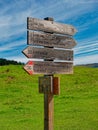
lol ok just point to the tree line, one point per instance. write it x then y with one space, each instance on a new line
9 62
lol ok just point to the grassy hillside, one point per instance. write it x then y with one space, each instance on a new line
21 105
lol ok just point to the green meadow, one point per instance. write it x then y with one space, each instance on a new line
21 104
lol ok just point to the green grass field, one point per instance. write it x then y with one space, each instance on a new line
21 105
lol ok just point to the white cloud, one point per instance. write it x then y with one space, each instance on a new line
22 59
87 47
13 22
12 45
86 59
19 59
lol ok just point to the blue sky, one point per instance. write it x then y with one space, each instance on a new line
82 14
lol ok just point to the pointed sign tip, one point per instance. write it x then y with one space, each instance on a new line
28 67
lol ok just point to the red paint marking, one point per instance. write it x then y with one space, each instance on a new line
28 67
30 72
30 63
27 70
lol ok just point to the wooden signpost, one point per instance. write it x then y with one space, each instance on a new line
52 42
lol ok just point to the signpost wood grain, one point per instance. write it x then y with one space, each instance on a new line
49 67
49 85
50 26
50 40
48 53
45 84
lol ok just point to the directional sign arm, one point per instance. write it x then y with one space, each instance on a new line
50 26
47 67
50 40
48 53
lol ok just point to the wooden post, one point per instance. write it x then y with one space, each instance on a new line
48 106
48 101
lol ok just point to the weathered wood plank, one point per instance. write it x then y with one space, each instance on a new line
56 85
48 67
50 26
48 53
50 40
45 84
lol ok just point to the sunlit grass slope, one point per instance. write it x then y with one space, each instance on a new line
21 105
